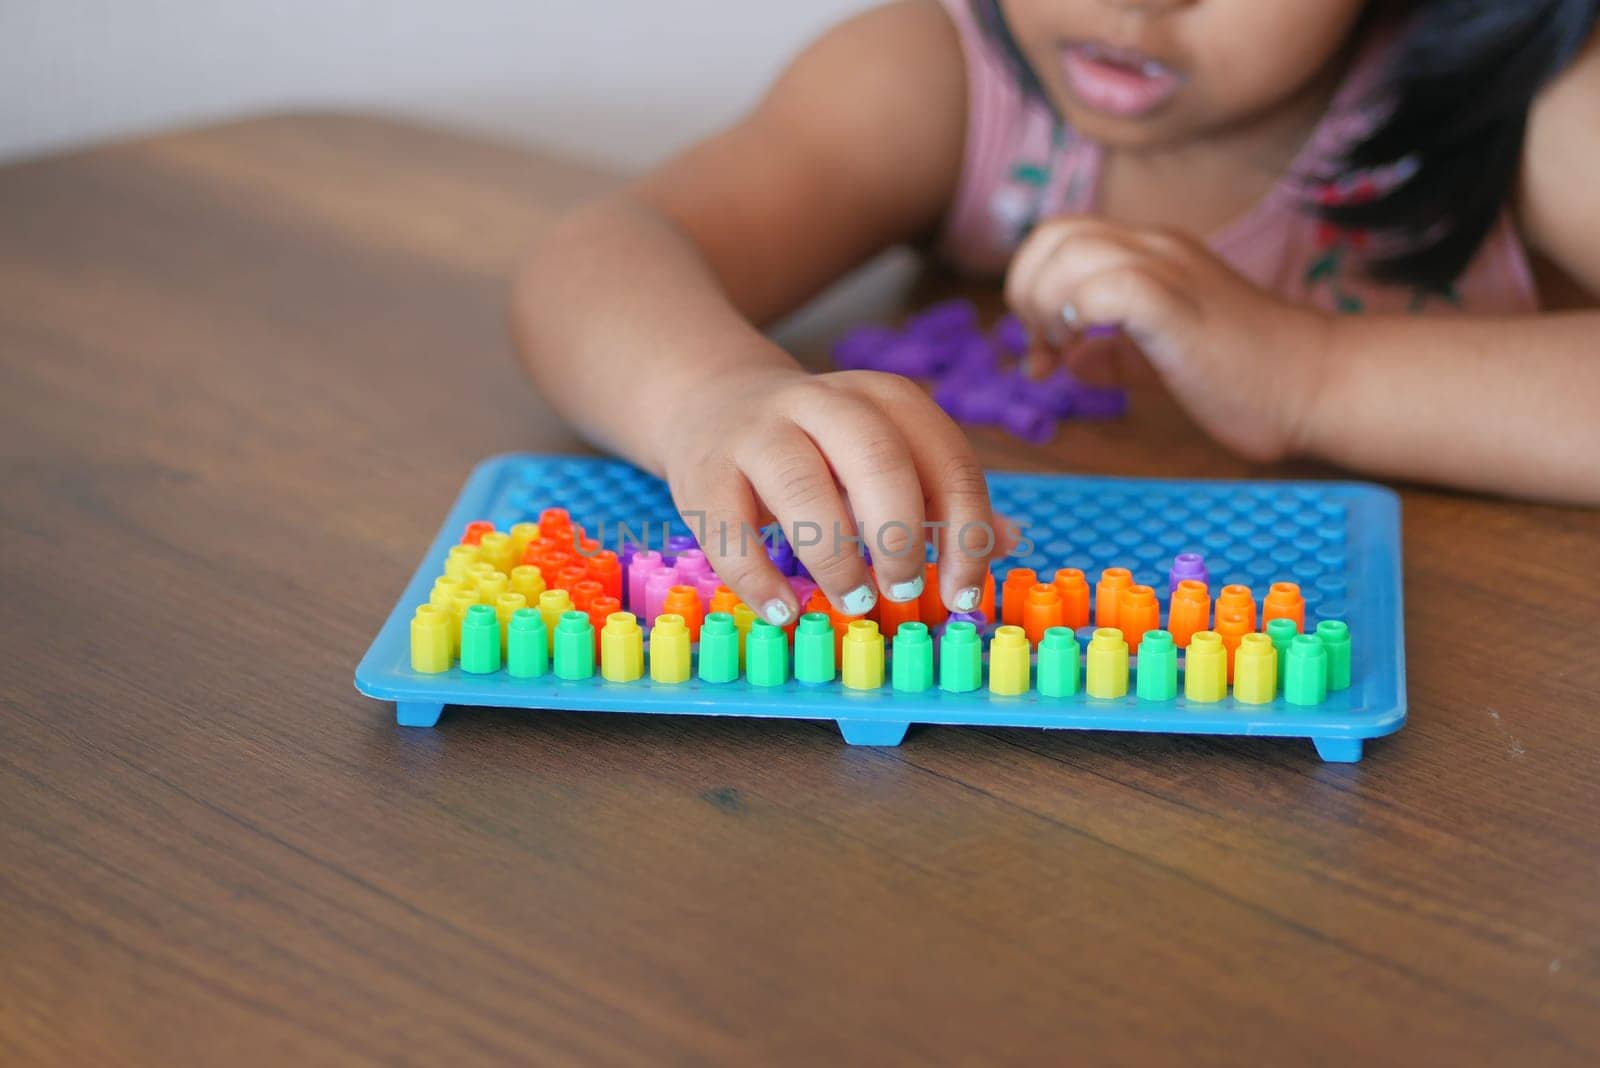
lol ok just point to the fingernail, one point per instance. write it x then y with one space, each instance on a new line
777 612
967 598
859 601
900 592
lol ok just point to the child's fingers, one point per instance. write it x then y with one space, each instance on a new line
728 523
871 458
789 474
1077 238
952 481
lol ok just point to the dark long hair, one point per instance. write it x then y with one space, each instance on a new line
1455 117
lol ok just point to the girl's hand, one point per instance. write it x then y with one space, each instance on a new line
820 453
1245 364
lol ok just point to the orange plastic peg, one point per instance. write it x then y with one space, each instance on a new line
1074 590
584 591
1237 599
1190 612
1137 612
724 600
1108 594
475 531
931 605
1014 595
685 601
1284 602
1041 611
1233 626
892 613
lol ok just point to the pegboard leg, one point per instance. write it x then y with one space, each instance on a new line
417 713
858 733
1338 750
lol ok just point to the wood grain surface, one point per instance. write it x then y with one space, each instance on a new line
245 370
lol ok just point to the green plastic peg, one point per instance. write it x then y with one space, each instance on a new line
527 645
1282 632
719 648
766 655
960 658
813 648
911 660
480 641
1307 680
1058 663
574 646
1335 635
1157 669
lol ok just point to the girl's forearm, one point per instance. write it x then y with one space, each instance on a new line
1507 405
616 312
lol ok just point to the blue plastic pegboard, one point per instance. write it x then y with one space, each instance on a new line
1339 541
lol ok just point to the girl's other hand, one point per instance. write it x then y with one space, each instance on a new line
1245 364
820 454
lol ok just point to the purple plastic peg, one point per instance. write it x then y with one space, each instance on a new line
803 588
943 318
626 551
1029 422
1011 335
977 619
974 356
978 400
1187 566
862 347
910 356
782 556
1093 402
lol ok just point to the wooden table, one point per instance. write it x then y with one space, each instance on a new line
246 370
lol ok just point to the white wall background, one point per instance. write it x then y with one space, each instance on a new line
618 81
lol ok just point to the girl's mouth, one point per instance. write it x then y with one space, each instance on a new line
1117 81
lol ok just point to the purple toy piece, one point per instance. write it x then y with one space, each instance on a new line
1187 566
977 619
625 553
1029 422
1091 402
782 556
1101 331
803 588
975 355
977 400
911 356
1011 335
1053 394
943 318
862 347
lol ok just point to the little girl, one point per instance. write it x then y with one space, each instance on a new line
1313 219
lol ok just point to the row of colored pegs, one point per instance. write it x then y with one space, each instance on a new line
1305 668
1117 601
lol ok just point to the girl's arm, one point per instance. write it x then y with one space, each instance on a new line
1507 405
637 316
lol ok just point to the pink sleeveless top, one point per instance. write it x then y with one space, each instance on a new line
1021 166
